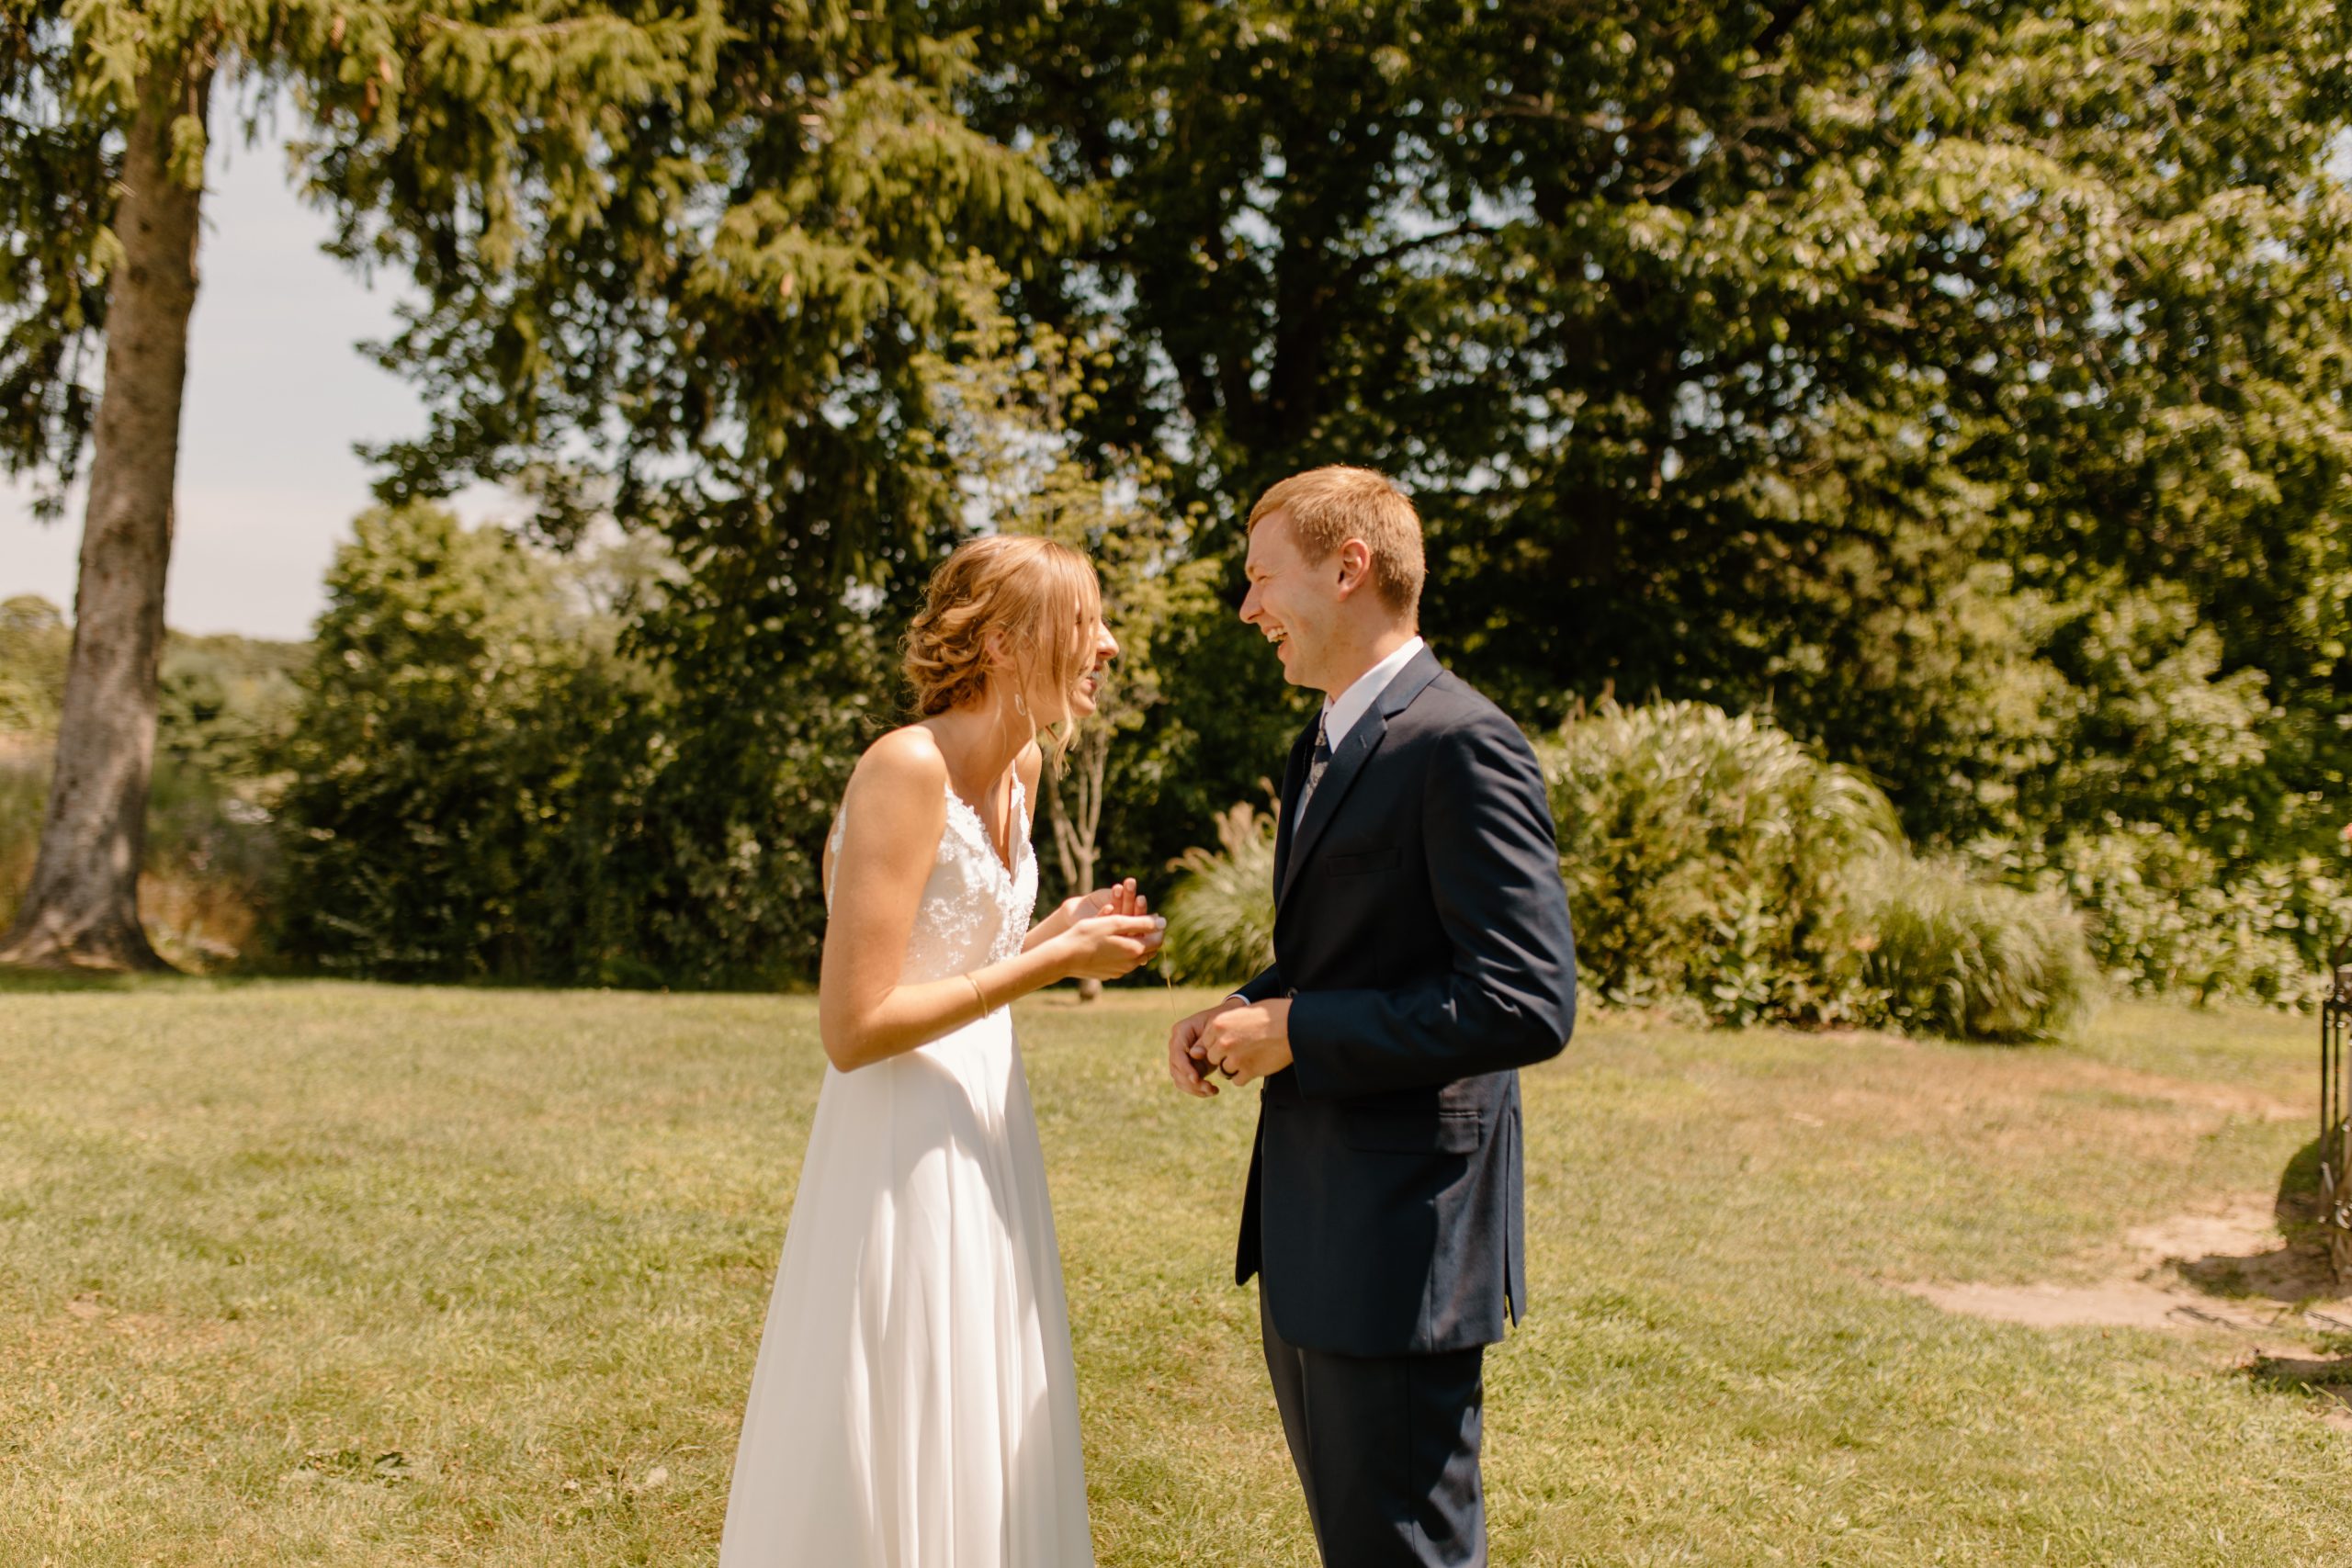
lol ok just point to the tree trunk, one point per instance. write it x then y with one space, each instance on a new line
82 910
1074 836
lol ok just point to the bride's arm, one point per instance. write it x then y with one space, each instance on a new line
892 819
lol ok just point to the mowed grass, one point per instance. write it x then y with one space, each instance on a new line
300 1274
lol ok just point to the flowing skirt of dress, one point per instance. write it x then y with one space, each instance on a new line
914 1405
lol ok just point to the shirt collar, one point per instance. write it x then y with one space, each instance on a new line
1343 713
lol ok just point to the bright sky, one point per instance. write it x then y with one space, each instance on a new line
276 394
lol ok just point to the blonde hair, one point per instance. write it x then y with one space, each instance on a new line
1043 598
1331 505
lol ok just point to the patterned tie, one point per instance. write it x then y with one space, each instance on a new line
1316 762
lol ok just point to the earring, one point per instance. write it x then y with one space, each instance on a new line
1021 704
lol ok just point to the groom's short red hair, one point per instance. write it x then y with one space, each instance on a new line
1329 506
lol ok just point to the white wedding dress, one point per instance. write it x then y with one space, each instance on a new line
915 1404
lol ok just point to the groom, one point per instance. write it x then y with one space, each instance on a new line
1422 956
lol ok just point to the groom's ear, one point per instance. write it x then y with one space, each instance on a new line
1354 559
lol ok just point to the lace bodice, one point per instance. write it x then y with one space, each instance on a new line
974 911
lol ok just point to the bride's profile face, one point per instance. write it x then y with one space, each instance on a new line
1097 648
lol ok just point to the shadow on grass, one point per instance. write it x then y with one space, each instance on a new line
21 981
17 981
2295 1271
32 982
2320 1377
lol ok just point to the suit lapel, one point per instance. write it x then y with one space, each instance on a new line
1347 762
1293 778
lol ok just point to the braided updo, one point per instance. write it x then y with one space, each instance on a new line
1041 597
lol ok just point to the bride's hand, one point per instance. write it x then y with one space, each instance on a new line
1104 947
1119 899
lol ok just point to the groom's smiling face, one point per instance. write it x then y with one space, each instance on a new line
1291 601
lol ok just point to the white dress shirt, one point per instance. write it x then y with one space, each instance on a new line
1343 712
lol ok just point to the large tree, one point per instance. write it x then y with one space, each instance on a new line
1809 355
741 356
109 108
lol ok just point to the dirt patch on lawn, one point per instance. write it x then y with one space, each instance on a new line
2227 1264
1880 1085
2225 1270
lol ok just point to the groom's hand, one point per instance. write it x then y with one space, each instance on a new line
1248 1041
1185 1064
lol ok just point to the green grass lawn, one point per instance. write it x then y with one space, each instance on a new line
333 1273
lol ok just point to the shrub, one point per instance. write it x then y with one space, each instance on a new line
24 793
1969 959
484 784
209 870
2167 918
33 643
1713 863
1708 857
450 757
1221 914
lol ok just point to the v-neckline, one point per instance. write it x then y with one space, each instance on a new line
988 835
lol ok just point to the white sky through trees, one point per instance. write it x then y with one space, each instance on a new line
276 394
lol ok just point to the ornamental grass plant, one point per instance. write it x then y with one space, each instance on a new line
1708 860
1221 914
1971 960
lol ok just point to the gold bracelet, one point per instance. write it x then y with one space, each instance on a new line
978 995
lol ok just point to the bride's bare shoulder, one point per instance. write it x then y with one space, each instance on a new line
903 768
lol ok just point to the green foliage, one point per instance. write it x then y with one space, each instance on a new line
1959 385
1221 913
1004 404
2157 734
54 205
484 784
732 323
1714 865
1967 959
1710 860
225 699
1828 359
723 877
2166 916
1715 862
227 704
436 134
24 791
725 319
34 641
452 712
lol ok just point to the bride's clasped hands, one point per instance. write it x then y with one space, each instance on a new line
1101 935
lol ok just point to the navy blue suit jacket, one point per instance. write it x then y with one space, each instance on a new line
1421 934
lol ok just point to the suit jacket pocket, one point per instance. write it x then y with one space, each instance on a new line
1412 1132
1363 861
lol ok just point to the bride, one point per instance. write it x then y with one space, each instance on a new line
913 1406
